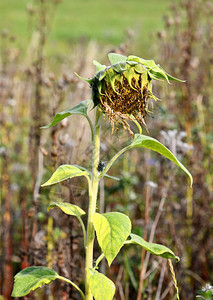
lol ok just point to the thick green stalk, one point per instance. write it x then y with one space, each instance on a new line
93 191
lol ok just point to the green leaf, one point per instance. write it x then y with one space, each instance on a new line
112 230
99 67
115 58
163 75
156 70
148 63
65 172
140 69
79 109
68 208
102 288
153 248
72 210
32 278
119 67
170 77
151 143
88 80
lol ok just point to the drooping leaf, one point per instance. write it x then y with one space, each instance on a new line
65 172
153 248
163 75
155 69
115 58
111 77
79 109
32 278
68 208
112 230
72 210
170 77
152 144
102 288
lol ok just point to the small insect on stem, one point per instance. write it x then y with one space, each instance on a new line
101 166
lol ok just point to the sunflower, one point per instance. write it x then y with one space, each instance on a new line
123 89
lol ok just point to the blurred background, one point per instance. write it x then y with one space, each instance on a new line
42 44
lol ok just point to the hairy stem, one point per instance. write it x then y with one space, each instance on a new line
93 191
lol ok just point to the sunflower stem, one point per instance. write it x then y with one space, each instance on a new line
93 191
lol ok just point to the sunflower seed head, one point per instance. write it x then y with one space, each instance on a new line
123 89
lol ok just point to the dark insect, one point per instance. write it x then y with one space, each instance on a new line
101 166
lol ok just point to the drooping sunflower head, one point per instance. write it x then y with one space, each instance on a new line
123 89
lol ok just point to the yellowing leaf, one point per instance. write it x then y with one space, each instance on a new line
153 248
102 288
68 208
65 172
112 230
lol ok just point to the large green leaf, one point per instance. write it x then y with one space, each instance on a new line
102 288
65 172
151 143
68 208
32 278
153 248
112 230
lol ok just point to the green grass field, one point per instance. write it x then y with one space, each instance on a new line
104 21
